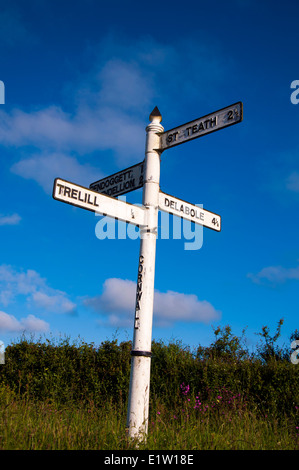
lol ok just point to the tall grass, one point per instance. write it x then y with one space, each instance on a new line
55 394
29 425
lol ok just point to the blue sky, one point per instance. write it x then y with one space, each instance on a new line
81 79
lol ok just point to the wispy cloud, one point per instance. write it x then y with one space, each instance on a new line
117 305
107 107
13 219
34 288
292 182
124 85
44 168
9 324
86 130
275 275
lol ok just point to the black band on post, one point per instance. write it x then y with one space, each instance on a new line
141 353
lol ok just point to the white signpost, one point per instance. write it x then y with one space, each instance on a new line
147 174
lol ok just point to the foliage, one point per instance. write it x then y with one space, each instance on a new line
226 347
65 372
57 394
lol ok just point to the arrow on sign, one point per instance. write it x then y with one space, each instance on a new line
91 200
189 211
120 183
205 125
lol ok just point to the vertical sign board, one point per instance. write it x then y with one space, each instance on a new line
120 183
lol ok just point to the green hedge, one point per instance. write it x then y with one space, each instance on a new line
66 372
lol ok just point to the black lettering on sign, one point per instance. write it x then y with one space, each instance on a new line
172 137
74 193
230 115
139 290
67 191
214 121
60 187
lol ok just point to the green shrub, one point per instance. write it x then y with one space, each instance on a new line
65 372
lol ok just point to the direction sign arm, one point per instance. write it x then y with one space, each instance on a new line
189 211
215 121
121 182
85 198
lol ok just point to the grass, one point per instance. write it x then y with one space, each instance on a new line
25 425
222 424
28 425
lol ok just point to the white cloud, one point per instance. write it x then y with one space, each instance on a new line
86 131
40 127
275 275
34 288
13 219
109 106
54 302
174 306
118 303
118 295
9 324
124 85
44 168
34 324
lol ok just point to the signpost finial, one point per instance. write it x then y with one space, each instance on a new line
155 115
